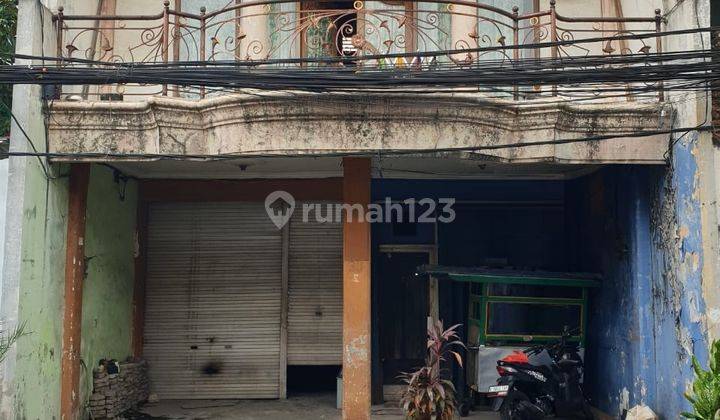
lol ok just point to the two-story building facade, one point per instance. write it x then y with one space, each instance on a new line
144 227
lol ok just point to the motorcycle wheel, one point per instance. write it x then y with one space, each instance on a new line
511 408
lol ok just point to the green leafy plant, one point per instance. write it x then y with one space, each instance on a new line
429 396
705 396
8 27
7 339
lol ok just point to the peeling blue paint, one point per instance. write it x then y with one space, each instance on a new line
646 321
679 327
620 356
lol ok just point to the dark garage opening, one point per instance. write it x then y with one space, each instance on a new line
311 379
599 222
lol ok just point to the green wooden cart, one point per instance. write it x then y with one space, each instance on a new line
514 309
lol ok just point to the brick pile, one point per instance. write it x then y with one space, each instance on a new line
115 393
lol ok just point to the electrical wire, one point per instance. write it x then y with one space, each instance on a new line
525 74
29 140
590 77
590 70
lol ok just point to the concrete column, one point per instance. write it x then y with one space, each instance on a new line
74 276
356 292
106 38
253 33
23 173
4 173
464 26
694 110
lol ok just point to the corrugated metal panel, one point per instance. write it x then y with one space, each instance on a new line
315 291
212 323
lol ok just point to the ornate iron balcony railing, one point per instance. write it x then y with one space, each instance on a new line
365 35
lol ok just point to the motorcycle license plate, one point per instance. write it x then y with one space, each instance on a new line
498 388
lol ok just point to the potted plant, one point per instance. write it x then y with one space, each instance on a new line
705 397
430 396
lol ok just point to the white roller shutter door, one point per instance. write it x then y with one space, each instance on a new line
315 291
212 321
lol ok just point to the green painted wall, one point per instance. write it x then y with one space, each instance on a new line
41 293
108 288
107 296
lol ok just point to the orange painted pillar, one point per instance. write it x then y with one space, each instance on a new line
74 274
356 292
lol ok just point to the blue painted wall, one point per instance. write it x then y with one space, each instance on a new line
677 279
640 227
611 210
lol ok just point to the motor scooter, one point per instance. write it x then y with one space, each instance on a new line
527 391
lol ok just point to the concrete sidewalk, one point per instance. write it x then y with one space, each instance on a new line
301 407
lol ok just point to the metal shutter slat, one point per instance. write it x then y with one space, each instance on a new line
213 281
314 285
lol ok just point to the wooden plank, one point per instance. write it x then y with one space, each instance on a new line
356 293
434 292
433 297
74 274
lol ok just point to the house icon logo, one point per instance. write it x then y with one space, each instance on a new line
279 206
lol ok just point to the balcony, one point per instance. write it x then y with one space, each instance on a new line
362 45
279 77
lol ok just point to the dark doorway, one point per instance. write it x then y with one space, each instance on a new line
403 313
312 379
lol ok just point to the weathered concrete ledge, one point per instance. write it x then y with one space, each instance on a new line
281 123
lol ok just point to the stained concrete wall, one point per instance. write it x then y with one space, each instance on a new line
34 254
646 321
4 172
612 217
34 247
681 250
36 379
108 288
107 294
693 152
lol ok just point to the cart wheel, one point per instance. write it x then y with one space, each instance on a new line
464 409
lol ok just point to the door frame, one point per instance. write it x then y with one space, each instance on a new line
433 306
432 251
